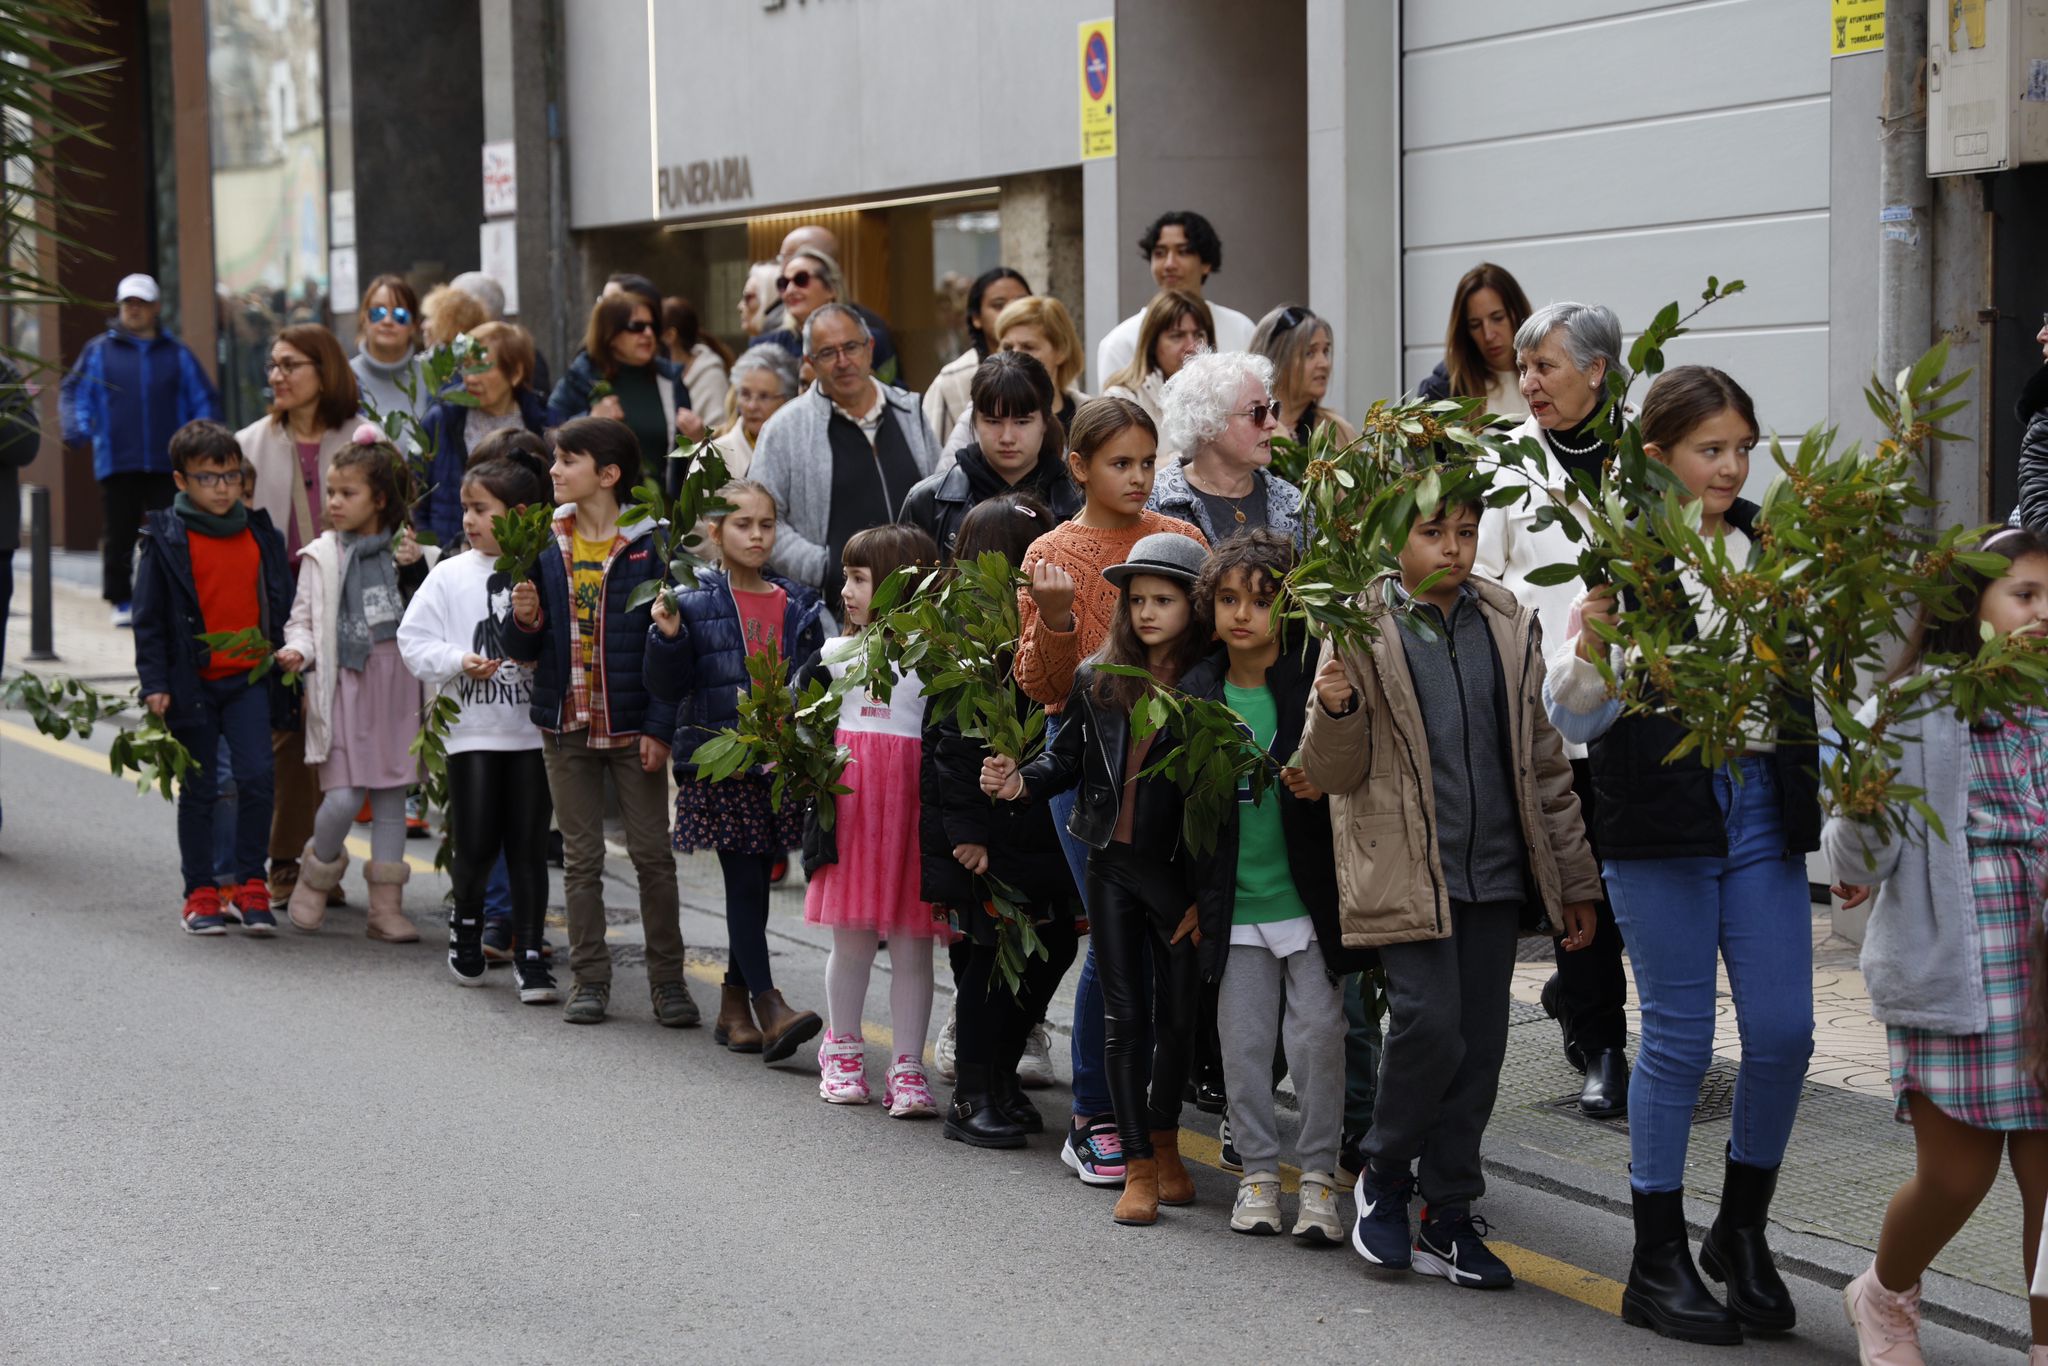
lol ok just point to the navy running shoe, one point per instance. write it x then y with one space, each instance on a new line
1381 1233
1451 1244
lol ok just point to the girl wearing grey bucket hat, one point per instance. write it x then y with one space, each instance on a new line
1139 891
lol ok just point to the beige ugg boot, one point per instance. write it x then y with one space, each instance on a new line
387 889
307 908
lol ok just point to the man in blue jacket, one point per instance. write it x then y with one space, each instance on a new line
132 387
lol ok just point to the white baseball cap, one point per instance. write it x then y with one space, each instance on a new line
138 287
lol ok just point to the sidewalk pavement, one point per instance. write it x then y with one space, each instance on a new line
1847 1156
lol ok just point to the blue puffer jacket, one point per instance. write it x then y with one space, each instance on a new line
621 635
168 619
447 423
127 395
702 672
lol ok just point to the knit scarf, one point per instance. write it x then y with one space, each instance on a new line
370 605
232 523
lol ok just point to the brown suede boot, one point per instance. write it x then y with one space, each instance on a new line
782 1028
387 891
1139 1203
1176 1187
306 906
735 1028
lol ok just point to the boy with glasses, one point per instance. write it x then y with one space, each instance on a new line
213 564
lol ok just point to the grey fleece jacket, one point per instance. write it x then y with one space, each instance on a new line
1458 687
793 461
1922 959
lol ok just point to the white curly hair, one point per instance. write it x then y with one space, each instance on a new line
1196 404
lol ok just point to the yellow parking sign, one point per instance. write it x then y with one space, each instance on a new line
1098 89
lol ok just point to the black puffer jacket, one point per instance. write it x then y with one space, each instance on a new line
1645 808
1023 847
2032 512
1311 848
940 502
1089 753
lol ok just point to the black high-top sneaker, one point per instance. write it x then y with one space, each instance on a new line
466 949
536 983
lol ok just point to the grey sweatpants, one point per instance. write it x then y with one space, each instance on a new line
1447 1034
1249 1004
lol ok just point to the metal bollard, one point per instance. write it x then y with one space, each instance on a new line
41 644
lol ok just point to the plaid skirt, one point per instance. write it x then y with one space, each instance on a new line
1981 1079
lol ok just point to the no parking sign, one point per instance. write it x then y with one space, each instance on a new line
1098 89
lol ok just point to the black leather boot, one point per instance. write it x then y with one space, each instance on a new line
1734 1251
1664 1291
1553 1006
1605 1094
973 1118
1008 1093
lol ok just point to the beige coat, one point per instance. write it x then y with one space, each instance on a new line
280 487
1374 763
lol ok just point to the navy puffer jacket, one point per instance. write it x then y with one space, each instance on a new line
169 620
621 635
700 674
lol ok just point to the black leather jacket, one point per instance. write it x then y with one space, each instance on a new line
1089 752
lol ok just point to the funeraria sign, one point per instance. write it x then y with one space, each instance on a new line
724 181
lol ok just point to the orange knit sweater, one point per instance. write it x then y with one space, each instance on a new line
1046 659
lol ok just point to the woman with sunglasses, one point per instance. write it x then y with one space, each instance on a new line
622 348
314 410
1302 349
809 280
1220 413
387 359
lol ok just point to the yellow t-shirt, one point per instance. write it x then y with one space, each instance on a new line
586 585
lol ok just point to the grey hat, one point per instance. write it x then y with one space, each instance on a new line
1168 554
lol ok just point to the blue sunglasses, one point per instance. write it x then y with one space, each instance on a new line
397 315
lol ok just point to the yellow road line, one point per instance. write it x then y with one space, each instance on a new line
84 757
1532 1268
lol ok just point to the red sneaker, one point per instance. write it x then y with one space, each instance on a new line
202 911
252 899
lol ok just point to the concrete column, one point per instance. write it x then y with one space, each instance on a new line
192 152
1354 192
1102 260
1962 310
1856 89
1042 236
520 46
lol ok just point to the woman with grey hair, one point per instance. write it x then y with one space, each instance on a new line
1220 413
1303 351
763 379
1564 354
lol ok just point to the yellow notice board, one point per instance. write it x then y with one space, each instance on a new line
1098 89
1855 26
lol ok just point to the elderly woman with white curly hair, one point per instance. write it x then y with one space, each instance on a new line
1219 413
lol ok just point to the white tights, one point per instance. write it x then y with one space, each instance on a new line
910 986
338 807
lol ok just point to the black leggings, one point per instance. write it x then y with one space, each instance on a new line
746 919
498 802
1135 903
993 1024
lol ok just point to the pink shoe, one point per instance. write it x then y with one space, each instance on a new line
842 1070
1887 1322
906 1092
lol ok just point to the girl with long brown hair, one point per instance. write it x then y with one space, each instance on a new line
1479 342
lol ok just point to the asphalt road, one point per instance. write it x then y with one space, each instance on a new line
320 1149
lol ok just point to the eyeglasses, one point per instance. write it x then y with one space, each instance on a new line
288 368
831 355
638 325
1259 412
213 479
800 278
380 314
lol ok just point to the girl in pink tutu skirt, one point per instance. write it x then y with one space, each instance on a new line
869 891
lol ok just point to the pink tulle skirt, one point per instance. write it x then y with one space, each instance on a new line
874 886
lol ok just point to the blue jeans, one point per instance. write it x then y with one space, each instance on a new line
1091 1077
225 821
233 713
1751 906
498 892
